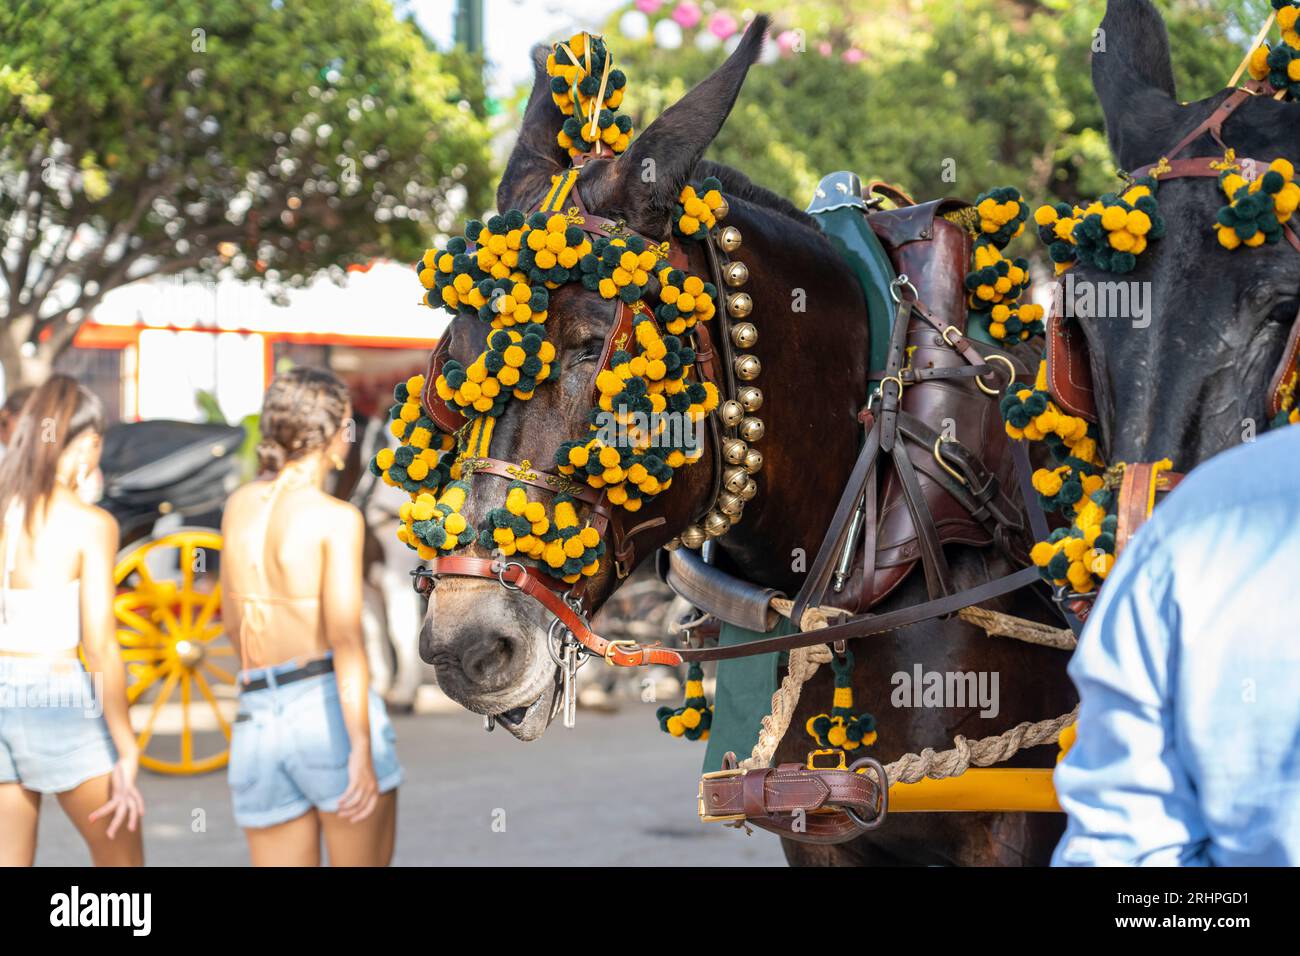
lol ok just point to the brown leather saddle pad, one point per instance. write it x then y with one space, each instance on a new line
934 253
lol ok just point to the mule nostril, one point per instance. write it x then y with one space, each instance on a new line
490 660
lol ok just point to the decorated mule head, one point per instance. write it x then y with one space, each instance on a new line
1222 284
569 397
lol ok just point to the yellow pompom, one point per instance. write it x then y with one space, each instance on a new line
1113 218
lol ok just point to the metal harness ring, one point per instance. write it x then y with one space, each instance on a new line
501 575
882 784
1011 373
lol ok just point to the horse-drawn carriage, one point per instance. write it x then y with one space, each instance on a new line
165 482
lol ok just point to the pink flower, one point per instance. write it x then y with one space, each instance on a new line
687 14
853 55
722 25
649 6
786 40
824 48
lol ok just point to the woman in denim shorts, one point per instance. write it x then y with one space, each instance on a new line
312 751
63 730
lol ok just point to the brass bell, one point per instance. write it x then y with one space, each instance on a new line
751 429
735 519
736 274
749 491
748 367
734 479
750 398
753 464
744 335
734 450
730 504
722 210
716 524
673 545
729 239
739 304
693 536
731 412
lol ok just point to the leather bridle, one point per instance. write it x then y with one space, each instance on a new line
1134 491
1171 167
564 601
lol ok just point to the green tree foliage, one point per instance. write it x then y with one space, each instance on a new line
270 138
992 91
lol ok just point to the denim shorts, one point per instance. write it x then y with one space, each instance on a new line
289 748
52 731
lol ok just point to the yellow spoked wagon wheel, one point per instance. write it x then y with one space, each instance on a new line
180 666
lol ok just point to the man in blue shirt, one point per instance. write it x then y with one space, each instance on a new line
1188 747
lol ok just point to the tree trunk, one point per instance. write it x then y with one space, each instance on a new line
20 369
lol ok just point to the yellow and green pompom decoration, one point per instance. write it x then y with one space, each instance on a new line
420 462
697 207
1002 213
432 524
618 268
994 279
520 527
693 719
588 90
1257 211
841 728
1108 233
1279 65
684 300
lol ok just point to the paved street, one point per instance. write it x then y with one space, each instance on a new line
613 791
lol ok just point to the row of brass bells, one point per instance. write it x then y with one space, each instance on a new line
744 461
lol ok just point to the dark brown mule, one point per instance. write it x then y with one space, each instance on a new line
489 644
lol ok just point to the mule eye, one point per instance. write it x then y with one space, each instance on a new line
588 351
1286 312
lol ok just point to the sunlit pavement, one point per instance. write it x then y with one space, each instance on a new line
612 791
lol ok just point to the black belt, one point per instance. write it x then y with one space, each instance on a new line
322 665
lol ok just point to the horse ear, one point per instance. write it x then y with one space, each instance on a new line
645 181
537 155
1134 80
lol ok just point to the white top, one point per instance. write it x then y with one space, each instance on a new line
35 620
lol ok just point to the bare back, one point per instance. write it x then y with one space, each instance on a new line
52 555
281 569
44 572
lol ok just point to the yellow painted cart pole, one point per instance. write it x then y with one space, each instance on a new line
979 789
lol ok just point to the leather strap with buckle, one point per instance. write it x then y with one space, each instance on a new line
805 803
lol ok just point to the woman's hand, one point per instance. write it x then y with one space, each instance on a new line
362 795
124 801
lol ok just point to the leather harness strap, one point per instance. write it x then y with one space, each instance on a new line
1169 167
867 625
546 591
806 803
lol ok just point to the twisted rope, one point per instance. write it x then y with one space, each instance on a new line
997 624
910 768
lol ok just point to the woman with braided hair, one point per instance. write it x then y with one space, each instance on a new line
311 750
